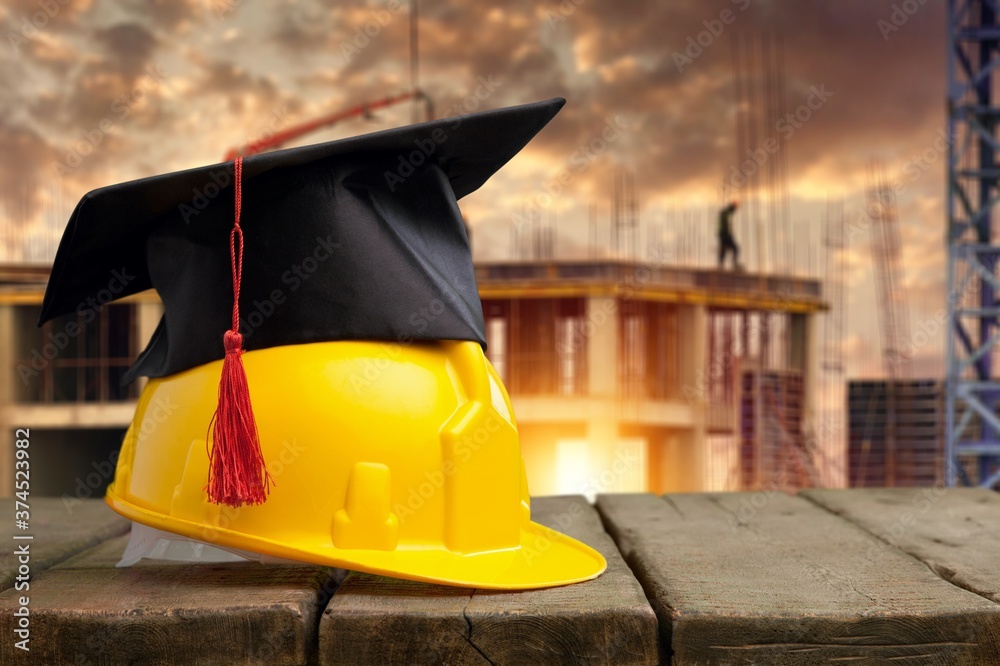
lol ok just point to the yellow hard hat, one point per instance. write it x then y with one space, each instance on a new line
330 401
397 459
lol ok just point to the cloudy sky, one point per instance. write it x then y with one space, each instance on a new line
94 92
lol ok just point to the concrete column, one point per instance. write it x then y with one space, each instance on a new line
602 347
602 380
803 356
604 436
681 463
797 341
692 336
7 351
147 319
7 378
682 456
538 449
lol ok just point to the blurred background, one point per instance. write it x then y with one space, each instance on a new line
636 360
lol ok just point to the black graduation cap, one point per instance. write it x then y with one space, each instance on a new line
360 238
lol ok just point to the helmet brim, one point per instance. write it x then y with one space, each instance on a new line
545 557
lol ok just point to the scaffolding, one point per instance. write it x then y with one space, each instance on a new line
535 240
893 310
759 177
625 235
972 388
785 461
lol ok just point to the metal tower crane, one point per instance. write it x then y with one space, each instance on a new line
972 386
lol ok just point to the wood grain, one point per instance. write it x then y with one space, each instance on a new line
954 531
85 611
61 528
759 578
376 620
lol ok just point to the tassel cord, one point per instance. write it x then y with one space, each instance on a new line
237 471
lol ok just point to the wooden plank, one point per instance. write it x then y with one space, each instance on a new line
85 611
766 578
376 620
60 529
954 531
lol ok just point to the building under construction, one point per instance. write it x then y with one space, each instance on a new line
665 374
624 376
627 376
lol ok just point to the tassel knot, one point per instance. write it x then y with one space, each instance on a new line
233 342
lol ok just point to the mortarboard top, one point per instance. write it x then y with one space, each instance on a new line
359 238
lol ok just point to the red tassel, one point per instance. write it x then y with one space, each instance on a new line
237 474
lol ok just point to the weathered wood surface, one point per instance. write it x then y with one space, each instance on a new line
84 611
755 578
954 531
377 620
61 528
859 576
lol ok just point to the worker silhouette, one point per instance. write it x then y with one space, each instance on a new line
727 243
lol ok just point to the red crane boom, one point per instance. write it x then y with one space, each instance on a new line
278 139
